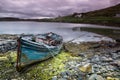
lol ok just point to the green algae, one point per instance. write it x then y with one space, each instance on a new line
44 70
47 69
12 56
9 56
7 68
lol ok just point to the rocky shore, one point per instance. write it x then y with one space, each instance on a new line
84 61
6 45
97 63
8 42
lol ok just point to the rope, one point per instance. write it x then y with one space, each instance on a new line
51 52
76 38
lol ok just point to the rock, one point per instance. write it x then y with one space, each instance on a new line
96 77
54 78
14 79
109 68
115 56
63 74
96 46
68 73
62 79
118 40
81 54
118 62
110 78
80 78
106 59
95 59
3 58
95 68
86 68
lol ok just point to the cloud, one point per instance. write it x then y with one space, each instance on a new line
50 8
114 2
13 15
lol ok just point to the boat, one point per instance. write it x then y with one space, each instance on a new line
39 47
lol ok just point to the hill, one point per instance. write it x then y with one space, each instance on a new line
108 16
107 12
9 19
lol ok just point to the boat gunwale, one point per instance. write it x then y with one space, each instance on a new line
39 44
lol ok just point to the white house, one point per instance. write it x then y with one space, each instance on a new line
117 15
78 15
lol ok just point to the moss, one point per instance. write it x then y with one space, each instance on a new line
9 56
12 56
44 70
47 69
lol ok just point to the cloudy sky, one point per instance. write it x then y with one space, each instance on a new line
49 8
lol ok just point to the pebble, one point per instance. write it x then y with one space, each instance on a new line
62 79
96 77
54 78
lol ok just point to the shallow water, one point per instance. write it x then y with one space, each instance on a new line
64 29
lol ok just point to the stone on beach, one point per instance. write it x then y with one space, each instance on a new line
86 68
3 58
96 77
111 78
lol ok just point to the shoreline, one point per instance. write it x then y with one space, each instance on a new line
99 24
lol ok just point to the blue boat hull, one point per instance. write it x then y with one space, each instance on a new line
34 52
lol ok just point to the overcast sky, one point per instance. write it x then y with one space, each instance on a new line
49 8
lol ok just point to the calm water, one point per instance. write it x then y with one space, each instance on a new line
64 29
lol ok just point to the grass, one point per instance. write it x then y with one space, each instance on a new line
110 21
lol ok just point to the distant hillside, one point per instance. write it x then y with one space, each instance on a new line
9 19
107 12
108 16
20 19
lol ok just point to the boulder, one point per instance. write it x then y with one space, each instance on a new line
3 58
96 77
111 78
86 68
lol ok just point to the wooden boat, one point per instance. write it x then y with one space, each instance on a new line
33 48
